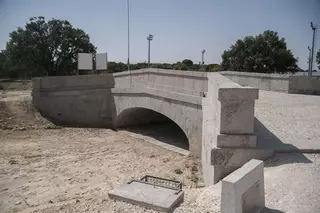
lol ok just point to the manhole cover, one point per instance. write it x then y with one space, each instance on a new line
151 192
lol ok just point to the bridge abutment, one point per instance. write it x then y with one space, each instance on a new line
228 139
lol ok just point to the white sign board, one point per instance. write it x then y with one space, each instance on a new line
85 61
101 61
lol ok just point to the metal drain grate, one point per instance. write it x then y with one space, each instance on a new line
161 182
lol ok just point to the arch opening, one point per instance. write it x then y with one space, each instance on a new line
151 124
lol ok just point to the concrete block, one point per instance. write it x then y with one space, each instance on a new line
231 92
237 117
148 196
236 141
243 190
237 157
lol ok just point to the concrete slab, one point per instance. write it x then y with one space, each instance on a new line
243 190
149 196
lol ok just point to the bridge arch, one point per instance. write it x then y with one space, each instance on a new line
187 116
137 116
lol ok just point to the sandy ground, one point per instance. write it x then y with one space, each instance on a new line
72 170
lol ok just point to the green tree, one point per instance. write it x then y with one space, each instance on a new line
46 48
212 67
265 53
318 59
2 64
187 62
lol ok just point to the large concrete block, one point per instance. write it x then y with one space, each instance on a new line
237 157
237 109
236 141
237 117
149 196
243 190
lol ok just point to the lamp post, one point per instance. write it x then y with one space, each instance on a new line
309 60
312 48
149 38
202 52
128 62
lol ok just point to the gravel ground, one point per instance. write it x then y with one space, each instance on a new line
72 170
289 118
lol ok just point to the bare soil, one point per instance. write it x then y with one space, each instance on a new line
49 169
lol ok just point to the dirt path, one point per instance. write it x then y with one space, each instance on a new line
73 169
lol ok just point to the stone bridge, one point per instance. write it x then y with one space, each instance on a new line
215 114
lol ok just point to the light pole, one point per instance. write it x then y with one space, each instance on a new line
128 62
202 52
309 60
149 38
312 48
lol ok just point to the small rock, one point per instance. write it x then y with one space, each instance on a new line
152 156
166 160
50 201
12 161
178 171
77 201
18 203
22 129
5 189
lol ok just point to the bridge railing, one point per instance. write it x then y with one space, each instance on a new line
189 82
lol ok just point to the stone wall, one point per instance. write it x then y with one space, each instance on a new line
98 100
187 82
275 82
271 82
78 101
304 85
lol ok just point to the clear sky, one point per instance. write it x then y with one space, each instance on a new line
181 28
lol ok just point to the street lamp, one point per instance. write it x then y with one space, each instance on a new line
149 38
312 48
202 52
128 62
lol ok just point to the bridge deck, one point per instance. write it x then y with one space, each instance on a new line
288 122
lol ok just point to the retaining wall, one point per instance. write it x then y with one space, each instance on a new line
272 82
304 85
276 82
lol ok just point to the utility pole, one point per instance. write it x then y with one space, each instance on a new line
149 38
202 52
128 62
309 60
312 48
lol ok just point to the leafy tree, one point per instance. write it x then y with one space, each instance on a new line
2 64
318 59
187 62
265 53
212 67
46 48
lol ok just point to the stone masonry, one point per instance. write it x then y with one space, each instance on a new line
216 114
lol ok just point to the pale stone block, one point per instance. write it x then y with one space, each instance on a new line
243 190
236 141
237 157
237 117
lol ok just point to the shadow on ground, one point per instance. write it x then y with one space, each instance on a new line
268 210
167 132
285 153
